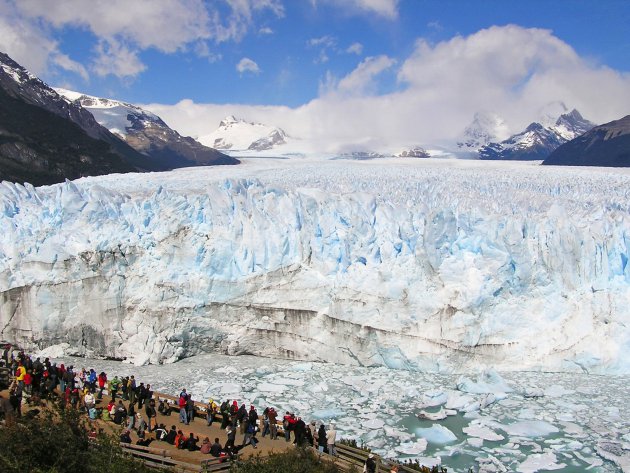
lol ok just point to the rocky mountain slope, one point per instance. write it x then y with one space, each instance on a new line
537 141
147 133
238 134
44 139
604 145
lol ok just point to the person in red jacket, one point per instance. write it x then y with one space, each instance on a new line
102 382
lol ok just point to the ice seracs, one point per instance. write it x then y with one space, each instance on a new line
385 262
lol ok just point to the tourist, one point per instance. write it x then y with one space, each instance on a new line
89 401
190 409
231 436
131 416
370 464
164 408
142 425
131 389
225 413
205 446
322 441
102 380
331 436
170 436
183 416
151 414
120 414
180 439
125 437
211 410
299 429
191 443
242 418
216 448
273 423
286 425
160 432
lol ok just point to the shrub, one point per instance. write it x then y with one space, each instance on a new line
57 442
295 460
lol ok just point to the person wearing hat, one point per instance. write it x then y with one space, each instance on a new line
370 464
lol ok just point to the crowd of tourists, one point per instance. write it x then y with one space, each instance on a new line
134 406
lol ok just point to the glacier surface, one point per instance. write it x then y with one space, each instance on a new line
437 265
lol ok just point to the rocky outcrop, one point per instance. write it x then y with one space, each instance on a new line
605 145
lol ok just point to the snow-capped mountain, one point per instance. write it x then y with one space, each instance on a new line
147 133
45 139
415 152
238 135
485 128
537 141
447 266
604 145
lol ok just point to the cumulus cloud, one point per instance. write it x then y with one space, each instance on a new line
123 29
247 65
385 8
265 30
440 87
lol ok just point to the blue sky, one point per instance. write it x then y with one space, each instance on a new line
294 53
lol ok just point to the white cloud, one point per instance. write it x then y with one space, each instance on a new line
385 8
247 65
361 81
265 30
123 29
323 41
116 59
355 48
441 86
64 62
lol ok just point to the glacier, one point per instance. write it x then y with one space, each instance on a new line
434 265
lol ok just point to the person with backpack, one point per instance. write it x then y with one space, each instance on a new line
225 413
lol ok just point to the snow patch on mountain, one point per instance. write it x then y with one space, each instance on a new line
118 117
237 134
538 141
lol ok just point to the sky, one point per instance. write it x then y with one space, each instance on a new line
345 74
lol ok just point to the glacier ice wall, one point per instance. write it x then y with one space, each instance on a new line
436 267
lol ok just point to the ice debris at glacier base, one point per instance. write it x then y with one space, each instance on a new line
516 433
432 265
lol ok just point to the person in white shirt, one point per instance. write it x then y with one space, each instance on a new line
89 401
331 437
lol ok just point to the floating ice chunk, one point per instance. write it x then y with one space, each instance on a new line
302 367
537 462
557 391
437 434
439 415
434 398
490 465
476 442
488 382
483 432
412 448
230 388
328 413
271 388
593 462
533 392
529 428
373 424
395 433
615 452
457 400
